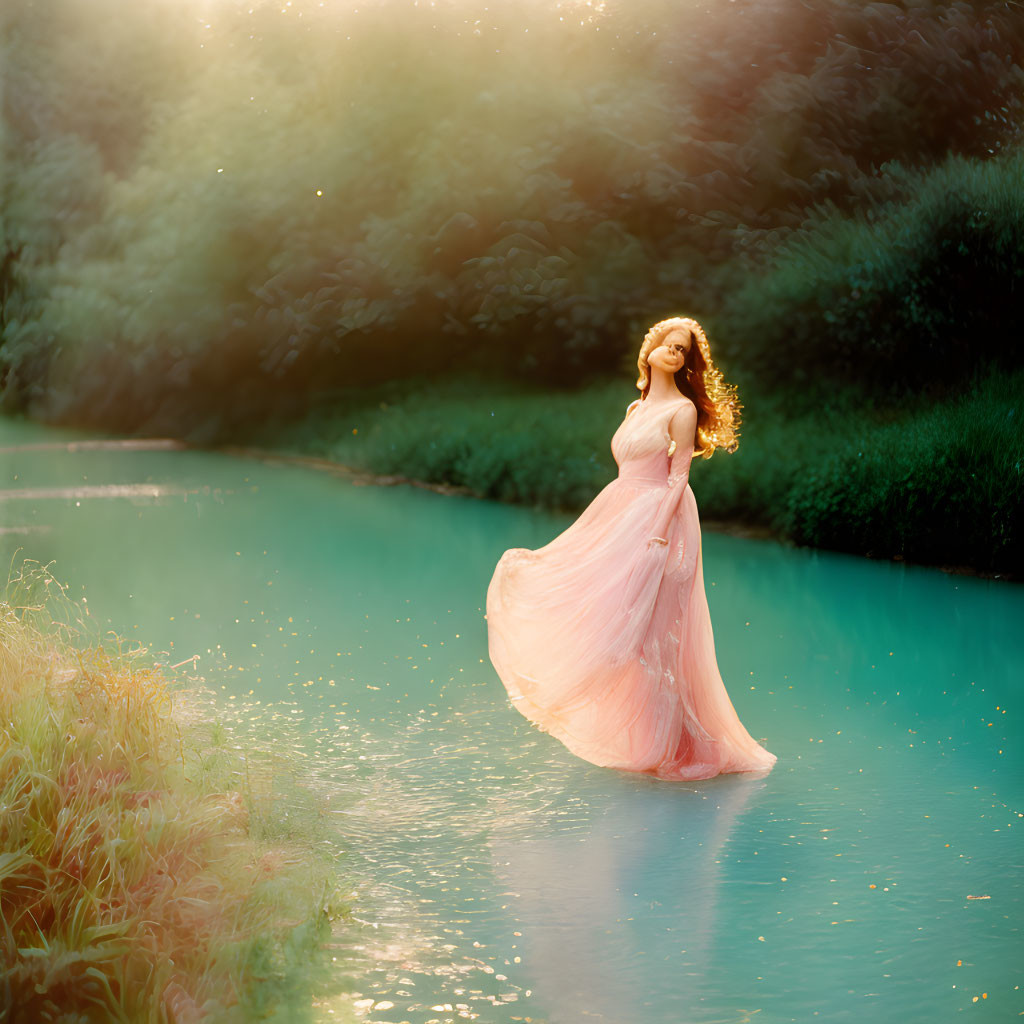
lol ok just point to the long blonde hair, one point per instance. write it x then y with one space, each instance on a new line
718 406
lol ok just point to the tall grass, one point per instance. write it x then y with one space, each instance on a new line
940 484
133 886
497 440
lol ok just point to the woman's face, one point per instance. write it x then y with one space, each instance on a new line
670 355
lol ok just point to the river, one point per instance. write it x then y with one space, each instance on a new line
875 872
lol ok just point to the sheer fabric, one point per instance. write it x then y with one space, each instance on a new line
603 637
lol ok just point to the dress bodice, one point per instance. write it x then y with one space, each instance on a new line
641 444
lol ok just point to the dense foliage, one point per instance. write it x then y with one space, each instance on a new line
211 210
917 291
943 485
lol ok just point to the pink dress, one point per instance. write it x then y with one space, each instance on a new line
603 637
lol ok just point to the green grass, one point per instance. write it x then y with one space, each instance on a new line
521 445
139 876
943 485
937 481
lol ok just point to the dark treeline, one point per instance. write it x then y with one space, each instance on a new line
212 211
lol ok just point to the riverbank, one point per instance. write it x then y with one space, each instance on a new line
935 482
145 873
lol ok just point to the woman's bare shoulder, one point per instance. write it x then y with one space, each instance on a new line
632 406
684 416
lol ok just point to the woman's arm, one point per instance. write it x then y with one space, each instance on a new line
683 431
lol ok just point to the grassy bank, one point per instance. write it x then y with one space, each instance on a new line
935 481
142 876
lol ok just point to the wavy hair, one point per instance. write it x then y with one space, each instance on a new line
718 406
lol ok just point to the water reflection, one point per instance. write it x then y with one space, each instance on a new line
633 882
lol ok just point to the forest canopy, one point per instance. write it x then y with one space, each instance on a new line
212 209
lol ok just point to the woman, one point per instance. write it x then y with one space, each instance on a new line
603 637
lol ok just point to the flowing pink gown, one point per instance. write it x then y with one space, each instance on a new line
603 637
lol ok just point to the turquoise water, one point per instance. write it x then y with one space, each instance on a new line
500 879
